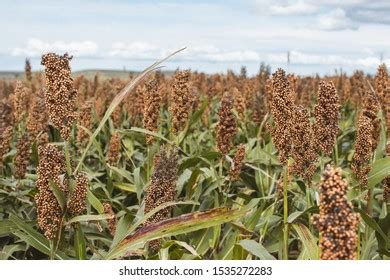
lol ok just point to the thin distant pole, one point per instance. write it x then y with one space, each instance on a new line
288 61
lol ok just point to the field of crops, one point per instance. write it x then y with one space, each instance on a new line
194 166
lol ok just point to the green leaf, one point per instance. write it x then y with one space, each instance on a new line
79 243
371 223
309 241
380 170
6 227
178 225
95 202
293 216
34 238
256 249
58 194
87 218
126 187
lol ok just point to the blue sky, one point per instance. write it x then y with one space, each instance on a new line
320 35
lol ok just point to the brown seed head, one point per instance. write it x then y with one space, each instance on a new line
20 101
84 121
381 78
111 221
181 100
51 167
152 103
336 222
327 115
227 126
114 148
162 188
27 70
22 157
303 149
282 108
238 158
60 95
37 117
77 203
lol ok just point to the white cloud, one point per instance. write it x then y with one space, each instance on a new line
36 47
285 7
296 8
134 50
336 20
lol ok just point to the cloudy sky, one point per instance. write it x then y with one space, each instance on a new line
319 35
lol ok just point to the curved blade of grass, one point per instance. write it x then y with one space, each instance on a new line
178 225
79 243
309 241
34 238
117 100
256 249
87 218
380 170
95 202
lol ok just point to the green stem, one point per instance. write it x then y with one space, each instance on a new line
285 213
67 159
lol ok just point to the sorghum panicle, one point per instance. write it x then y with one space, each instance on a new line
336 222
238 158
77 203
51 167
20 101
27 70
303 149
239 102
181 100
162 188
114 148
22 157
327 116
60 95
84 121
152 103
282 108
37 120
381 78
363 148
227 126
111 221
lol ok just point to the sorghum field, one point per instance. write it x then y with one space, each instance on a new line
194 166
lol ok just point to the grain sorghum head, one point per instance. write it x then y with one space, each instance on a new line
22 157
60 95
114 147
20 101
181 100
336 222
135 104
238 158
37 117
5 142
327 115
239 102
84 121
51 167
162 188
303 149
111 221
371 107
363 148
152 103
27 70
227 126
381 78
77 203
282 108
